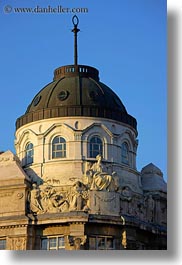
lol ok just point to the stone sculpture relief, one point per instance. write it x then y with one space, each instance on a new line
78 197
100 193
99 178
35 203
126 198
132 204
48 199
53 201
141 211
150 205
17 243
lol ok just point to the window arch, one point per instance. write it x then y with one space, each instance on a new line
58 147
125 153
29 153
95 146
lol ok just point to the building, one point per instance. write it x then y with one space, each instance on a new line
73 183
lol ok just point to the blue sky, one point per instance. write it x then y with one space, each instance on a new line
125 40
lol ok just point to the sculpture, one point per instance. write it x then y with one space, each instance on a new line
46 198
126 198
150 208
17 243
35 204
53 201
78 197
101 180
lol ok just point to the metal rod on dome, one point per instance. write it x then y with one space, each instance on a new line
75 21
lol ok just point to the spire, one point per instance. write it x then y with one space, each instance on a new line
75 21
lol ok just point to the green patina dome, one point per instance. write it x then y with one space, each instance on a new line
76 91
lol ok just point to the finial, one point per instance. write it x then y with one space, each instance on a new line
75 21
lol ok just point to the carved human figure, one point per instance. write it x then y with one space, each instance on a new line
52 201
126 192
35 204
101 180
47 195
98 167
126 198
76 199
150 208
132 206
141 211
59 204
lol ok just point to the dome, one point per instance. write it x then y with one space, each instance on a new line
76 91
151 169
152 179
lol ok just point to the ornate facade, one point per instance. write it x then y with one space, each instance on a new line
73 183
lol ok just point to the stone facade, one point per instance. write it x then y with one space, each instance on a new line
77 133
96 211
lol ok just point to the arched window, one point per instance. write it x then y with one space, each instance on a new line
96 146
58 147
125 153
29 153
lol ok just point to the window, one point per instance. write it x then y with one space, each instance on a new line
53 243
96 146
29 153
125 153
2 244
101 243
58 147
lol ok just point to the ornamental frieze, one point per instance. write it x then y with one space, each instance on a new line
99 194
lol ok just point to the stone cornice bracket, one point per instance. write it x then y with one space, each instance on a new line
77 241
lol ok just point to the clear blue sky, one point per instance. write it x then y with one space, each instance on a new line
124 39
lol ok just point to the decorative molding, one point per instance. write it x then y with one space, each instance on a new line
17 243
25 133
55 125
13 226
100 125
6 194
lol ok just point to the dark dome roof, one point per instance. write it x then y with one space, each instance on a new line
76 91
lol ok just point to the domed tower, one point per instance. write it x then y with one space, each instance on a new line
77 143
72 120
